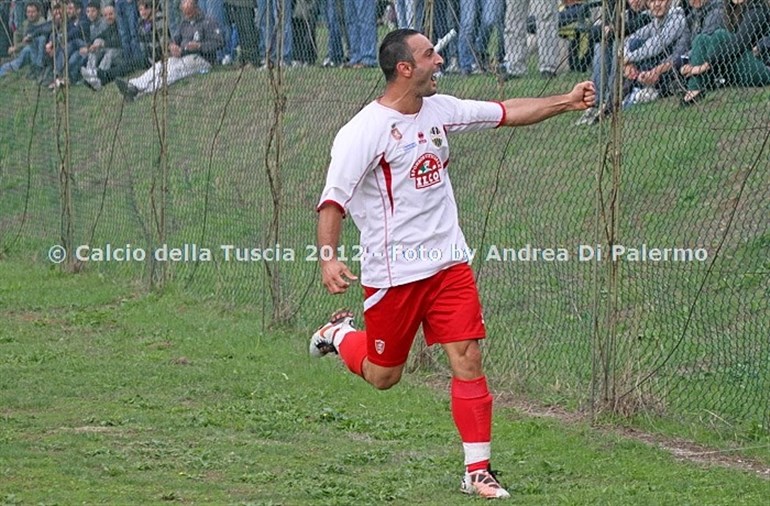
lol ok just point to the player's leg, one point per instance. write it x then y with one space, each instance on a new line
454 320
392 317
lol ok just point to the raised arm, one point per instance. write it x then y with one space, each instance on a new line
528 111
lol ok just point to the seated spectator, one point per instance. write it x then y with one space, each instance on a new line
728 53
54 40
762 50
78 37
605 47
152 38
28 43
105 47
705 18
648 52
193 51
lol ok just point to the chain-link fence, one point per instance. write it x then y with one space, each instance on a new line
622 255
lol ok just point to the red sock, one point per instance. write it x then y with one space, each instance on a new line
472 413
352 351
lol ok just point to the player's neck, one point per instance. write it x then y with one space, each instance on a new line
400 100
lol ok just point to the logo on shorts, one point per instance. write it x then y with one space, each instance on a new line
379 345
426 171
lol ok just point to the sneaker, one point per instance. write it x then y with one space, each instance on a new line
93 82
647 94
86 72
589 117
128 90
484 484
328 336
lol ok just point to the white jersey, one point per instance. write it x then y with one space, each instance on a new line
388 172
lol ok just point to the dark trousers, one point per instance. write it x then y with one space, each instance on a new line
243 19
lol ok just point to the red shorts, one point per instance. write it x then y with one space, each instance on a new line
446 304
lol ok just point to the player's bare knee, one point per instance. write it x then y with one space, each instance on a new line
383 379
385 383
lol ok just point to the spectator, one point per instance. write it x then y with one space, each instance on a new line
193 51
215 9
361 22
54 31
304 16
241 13
335 13
152 39
127 18
605 47
6 33
477 20
78 37
516 51
648 51
28 43
270 15
105 47
762 50
728 53
410 14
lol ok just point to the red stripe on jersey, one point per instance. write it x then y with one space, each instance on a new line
505 114
388 175
331 203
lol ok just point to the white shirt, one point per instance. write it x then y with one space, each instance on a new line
388 171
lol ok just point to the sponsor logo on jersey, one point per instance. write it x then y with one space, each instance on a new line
435 136
379 345
394 132
421 138
426 171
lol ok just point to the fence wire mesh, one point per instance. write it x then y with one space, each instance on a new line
622 256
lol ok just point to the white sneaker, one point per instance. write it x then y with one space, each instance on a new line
645 95
87 72
93 82
484 484
588 117
328 337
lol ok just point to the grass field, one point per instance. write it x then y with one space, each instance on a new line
112 396
690 178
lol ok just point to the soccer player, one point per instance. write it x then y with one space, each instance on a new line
389 172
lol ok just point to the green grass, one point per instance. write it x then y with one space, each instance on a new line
680 181
112 396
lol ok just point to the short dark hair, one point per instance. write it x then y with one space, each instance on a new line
36 4
394 49
150 4
96 4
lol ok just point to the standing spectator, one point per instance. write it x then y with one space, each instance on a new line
335 13
477 20
193 51
28 43
128 20
275 31
215 9
361 22
729 53
410 14
648 52
516 51
304 17
241 13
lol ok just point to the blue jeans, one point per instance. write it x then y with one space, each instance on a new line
128 21
477 20
267 20
604 55
215 9
361 20
410 14
31 54
333 19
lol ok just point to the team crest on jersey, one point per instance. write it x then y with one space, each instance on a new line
435 136
395 133
426 171
379 345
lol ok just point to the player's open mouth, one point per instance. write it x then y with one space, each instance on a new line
434 77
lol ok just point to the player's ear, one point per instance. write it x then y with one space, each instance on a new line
404 68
